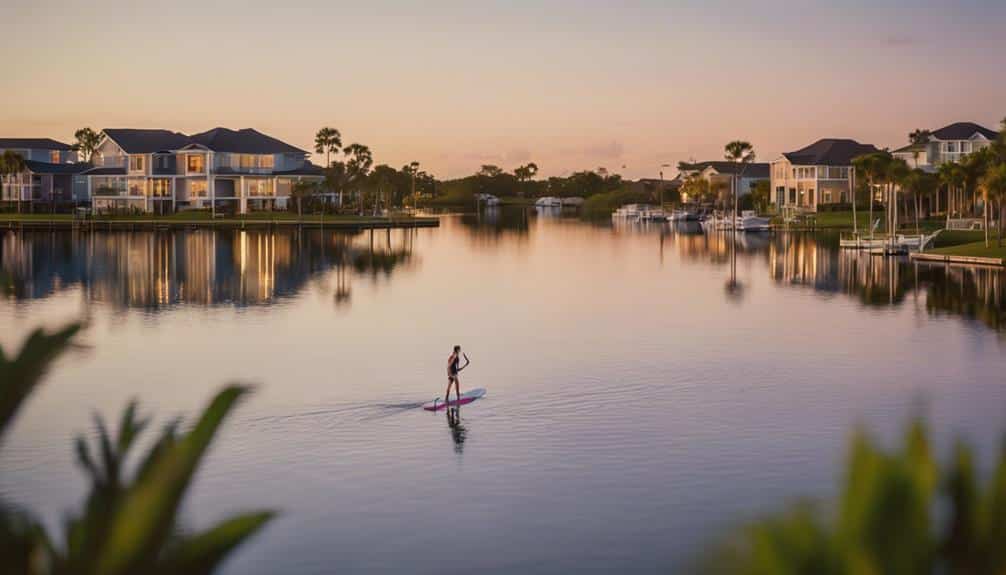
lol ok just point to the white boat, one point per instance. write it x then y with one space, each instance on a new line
487 200
749 221
548 202
630 211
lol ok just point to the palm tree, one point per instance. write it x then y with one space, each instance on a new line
993 184
738 151
358 162
87 143
950 175
873 167
12 165
897 174
412 169
525 173
300 190
327 141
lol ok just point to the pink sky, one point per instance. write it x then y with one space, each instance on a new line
569 85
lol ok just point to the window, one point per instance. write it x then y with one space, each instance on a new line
258 188
792 195
54 157
810 197
160 188
951 147
965 147
135 163
137 187
197 189
247 161
266 162
827 197
195 163
780 195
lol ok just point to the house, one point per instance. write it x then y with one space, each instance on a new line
51 175
948 144
818 174
720 175
163 171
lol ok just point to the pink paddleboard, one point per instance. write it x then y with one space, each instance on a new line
466 398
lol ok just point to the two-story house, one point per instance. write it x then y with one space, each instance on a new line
948 144
818 174
721 175
163 171
51 174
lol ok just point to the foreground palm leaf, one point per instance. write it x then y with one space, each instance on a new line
126 526
884 522
145 517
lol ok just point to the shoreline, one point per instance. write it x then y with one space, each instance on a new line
67 222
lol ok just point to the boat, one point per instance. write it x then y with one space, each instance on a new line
573 201
749 221
548 202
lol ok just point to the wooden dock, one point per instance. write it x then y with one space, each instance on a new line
961 260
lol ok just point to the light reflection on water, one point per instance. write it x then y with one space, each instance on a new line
647 386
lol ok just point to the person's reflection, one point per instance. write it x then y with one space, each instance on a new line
458 431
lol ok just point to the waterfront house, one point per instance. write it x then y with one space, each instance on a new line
162 171
948 144
720 174
816 175
51 175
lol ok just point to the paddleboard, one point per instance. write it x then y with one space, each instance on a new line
466 398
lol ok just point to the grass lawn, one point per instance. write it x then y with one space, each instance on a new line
974 249
843 221
957 237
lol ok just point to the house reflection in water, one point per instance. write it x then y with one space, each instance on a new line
815 261
153 270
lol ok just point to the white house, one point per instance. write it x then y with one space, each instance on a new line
162 171
818 174
948 144
51 175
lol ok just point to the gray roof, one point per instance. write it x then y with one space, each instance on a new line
830 152
50 168
910 148
136 141
308 169
752 170
963 131
106 172
33 144
246 141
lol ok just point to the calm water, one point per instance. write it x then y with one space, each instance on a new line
646 389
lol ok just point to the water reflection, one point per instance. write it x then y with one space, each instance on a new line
457 429
153 270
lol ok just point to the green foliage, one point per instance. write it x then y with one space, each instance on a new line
603 204
127 525
886 520
760 195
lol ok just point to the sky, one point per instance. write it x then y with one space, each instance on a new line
570 85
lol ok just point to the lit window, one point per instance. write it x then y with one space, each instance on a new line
197 189
54 156
135 163
195 163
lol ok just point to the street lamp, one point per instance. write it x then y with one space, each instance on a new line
662 166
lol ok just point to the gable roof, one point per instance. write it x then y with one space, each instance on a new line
751 170
910 148
829 152
246 141
50 168
137 141
963 131
33 144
